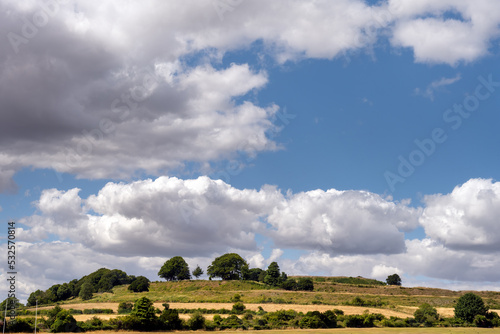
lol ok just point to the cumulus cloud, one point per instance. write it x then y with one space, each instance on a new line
466 218
174 214
438 38
355 222
166 216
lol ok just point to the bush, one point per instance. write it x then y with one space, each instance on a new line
140 284
426 314
468 306
20 325
169 318
482 321
124 308
196 321
232 322
98 311
238 308
290 284
305 284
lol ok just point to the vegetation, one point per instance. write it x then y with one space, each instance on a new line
102 280
140 284
469 306
197 272
426 315
393 279
227 267
175 269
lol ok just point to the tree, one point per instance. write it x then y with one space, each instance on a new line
393 279
86 291
290 284
170 318
64 292
272 274
144 312
228 267
196 321
426 314
253 274
175 269
140 284
197 272
468 306
305 284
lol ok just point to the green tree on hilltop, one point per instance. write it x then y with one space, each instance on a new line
228 267
175 269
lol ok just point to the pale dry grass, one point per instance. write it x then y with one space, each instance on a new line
400 311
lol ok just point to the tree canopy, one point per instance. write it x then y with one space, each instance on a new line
175 269
228 267
468 306
197 272
393 279
140 284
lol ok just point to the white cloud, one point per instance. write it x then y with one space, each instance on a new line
436 85
467 218
436 38
352 222
174 214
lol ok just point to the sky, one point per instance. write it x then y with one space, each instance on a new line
344 138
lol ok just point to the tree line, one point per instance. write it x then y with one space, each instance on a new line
230 266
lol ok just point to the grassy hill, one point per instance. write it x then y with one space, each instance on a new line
327 291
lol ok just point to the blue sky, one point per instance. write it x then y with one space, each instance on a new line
347 138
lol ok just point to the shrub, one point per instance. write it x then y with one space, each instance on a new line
196 321
238 308
482 321
305 284
426 314
124 308
20 325
169 318
290 284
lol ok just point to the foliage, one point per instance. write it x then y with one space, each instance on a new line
145 314
305 284
175 269
197 272
362 320
272 274
238 308
393 279
20 325
97 311
355 280
63 321
228 267
254 274
426 314
196 321
86 291
468 306
140 284
125 307
102 280
290 284
170 318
